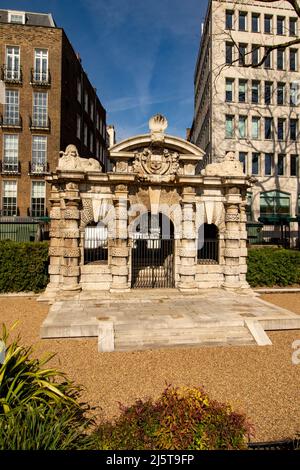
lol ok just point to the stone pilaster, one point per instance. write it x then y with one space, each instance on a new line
188 250
119 243
233 250
71 237
56 242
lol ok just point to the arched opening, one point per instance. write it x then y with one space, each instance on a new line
153 252
95 244
208 252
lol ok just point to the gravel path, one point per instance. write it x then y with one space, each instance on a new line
262 382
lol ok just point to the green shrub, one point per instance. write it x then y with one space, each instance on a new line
39 407
273 267
23 266
180 419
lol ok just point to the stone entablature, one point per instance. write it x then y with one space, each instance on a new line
151 174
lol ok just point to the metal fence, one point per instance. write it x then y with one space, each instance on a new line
209 253
263 234
95 245
287 444
23 229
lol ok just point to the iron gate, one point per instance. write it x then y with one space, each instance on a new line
153 263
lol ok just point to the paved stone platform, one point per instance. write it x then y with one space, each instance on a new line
145 319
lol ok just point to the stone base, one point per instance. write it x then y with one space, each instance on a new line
74 288
119 290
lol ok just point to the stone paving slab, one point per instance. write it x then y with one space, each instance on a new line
143 319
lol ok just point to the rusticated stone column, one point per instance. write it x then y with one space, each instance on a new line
56 247
71 236
119 243
232 239
243 243
188 250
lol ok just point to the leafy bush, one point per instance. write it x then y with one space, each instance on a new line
273 267
39 407
181 419
23 266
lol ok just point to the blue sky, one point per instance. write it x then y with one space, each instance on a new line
139 54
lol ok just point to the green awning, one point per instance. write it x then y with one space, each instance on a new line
276 219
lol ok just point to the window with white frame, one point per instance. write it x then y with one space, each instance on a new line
12 63
229 127
16 17
40 109
78 129
10 153
38 198
12 107
9 198
280 59
39 154
41 65
255 133
242 127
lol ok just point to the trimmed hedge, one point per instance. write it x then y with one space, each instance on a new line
273 267
23 266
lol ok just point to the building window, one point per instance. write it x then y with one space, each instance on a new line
78 128
255 54
274 202
269 158
293 60
91 142
229 90
294 94
281 129
9 198
294 165
16 17
98 149
280 25
255 92
243 160
242 127
79 91
40 109
268 92
280 94
10 162
242 54
92 111
255 134
38 198
229 127
255 22
12 107
280 59
268 128
229 19
41 65
268 24
86 102
229 53
268 58
293 26
13 66
39 154
281 165
85 137
294 129
255 163
242 91
242 21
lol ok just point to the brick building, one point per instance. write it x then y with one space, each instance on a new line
47 102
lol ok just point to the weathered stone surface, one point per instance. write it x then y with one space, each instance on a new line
232 252
119 270
72 214
120 252
72 253
71 233
55 213
71 271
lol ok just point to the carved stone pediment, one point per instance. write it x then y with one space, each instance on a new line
159 166
71 161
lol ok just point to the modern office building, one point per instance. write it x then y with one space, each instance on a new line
249 110
46 103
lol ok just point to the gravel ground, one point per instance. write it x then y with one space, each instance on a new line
261 382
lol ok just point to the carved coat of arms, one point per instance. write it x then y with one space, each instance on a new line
156 167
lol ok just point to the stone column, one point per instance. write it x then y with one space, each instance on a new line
56 246
232 239
188 250
119 243
243 243
71 235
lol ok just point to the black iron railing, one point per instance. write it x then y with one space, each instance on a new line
35 168
287 444
39 125
42 79
209 253
95 245
13 77
10 168
8 122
